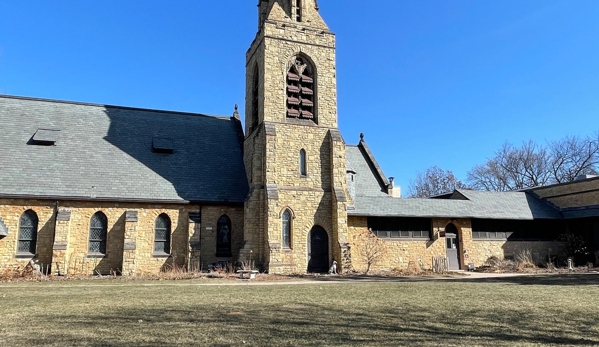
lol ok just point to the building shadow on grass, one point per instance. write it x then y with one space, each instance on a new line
305 324
541 279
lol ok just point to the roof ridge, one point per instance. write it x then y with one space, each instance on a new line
131 108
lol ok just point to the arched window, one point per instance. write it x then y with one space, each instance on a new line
286 229
302 164
223 236
97 233
162 235
300 89
27 232
255 102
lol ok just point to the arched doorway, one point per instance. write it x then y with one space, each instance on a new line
453 246
318 250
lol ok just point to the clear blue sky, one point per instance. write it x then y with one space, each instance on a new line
429 82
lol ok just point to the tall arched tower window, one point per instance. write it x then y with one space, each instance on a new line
300 89
286 229
297 9
27 232
303 169
255 102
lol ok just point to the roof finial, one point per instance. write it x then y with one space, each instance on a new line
361 136
236 113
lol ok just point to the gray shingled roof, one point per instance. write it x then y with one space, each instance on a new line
105 152
366 183
491 205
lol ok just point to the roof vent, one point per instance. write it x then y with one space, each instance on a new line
162 145
45 137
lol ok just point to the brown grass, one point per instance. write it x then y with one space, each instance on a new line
515 311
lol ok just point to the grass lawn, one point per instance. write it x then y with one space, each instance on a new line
523 311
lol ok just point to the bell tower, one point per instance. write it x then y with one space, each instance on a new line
295 213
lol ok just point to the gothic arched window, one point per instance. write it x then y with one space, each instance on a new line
162 235
303 168
27 232
223 236
300 89
286 229
98 227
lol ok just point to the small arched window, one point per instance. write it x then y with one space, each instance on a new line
255 100
300 89
98 227
286 229
162 235
303 169
27 232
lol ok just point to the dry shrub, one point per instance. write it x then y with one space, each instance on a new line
524 260
496 264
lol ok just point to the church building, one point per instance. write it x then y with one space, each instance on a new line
100 189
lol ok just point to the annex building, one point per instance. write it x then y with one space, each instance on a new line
87 189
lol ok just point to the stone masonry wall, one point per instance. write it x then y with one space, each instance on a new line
10 213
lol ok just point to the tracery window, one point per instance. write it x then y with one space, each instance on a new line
300 89
97 233
27 232
286 229
162 235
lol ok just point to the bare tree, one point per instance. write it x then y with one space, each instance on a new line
574 156
370 248
532 165
433 181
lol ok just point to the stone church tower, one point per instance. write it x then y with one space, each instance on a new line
294 155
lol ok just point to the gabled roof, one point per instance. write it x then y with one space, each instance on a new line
487 205
106 153
369 180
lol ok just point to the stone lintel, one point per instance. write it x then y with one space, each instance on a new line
63 214
130 246
59 247
272 192
131 216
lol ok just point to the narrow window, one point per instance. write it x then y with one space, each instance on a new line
162 235
300 90
223 236
27 232
298 10
255 103
302 163
286 229
97 233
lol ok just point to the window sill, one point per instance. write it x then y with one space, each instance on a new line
161 255
287 249
24 255
95 255
486 239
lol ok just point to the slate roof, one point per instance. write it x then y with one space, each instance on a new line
487 205
367 182
105 152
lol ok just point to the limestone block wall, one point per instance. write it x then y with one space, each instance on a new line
482 250
397 253
309 208
10 213
210 216
281 10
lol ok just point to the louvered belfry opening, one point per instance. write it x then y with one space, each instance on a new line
300 90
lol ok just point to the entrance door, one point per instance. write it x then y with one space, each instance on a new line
452 244
318 256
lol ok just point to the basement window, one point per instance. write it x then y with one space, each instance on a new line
45 137
162 145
